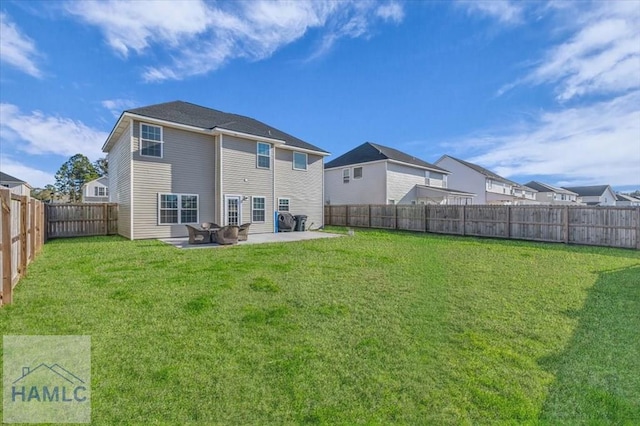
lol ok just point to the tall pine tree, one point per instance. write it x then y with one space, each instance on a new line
74 173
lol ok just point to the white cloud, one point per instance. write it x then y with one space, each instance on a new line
34 177
592 144
117 106
505 11
601 57
17 49
200 37
37 133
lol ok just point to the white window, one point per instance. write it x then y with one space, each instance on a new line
264 155
283 204
299 161
150 140
357 172
100 191
489 183
175 209
345 175
258 209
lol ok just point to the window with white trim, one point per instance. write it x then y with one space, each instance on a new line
258 209
150 140
299 161
345 175
283 204
100 191
174 209
357 172
263 152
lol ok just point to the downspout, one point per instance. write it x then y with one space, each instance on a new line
132 210
273 196
221 198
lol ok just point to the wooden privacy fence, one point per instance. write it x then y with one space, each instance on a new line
21 235
77 220
598 226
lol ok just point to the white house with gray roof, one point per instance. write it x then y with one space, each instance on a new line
17 186
375 174
179 163
96 191
553 195
594 195
490 187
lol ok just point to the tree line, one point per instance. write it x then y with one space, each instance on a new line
70 178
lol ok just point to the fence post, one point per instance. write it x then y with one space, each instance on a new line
395 216
565 220
32 229
5 205
24 204
369 217
637 228
105 214
508 221
346 214
464 220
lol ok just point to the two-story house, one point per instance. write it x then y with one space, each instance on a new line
178 163
375 174
96 191
623 200
594 195
17 186
549 194
490 187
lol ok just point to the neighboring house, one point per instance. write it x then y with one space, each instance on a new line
376 174
490 187
594 195
176 163
16 185
549 194
96 191
623 200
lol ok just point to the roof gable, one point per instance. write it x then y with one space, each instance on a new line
544 187
486 172
369 152
193 115
8 178
589 191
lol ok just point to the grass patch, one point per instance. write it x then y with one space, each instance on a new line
381 327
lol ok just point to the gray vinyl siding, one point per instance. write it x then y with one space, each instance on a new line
370 189
241 176
302 188
186 167
401 181
119 158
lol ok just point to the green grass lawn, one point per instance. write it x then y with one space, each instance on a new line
381 327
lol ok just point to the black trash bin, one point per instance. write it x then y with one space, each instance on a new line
301 222
286 222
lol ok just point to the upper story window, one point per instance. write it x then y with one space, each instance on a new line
299 161
264 155
357 172
346 175
150 140
100 191
489 184
283 204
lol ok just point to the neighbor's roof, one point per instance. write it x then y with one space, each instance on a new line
588 191
488 173
206 118
625 197
545 187
368 152
8 178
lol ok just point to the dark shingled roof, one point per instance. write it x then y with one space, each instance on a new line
543 187
206 118
8 178
587 191
488 173
368 152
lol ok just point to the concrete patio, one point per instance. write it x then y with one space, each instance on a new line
281 237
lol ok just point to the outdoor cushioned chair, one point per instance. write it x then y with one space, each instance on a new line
227 235
243 232
198 235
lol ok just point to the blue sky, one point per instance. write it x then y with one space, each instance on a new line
532 90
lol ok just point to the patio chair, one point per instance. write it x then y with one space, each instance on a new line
227 235
210 225
198 235
243 232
